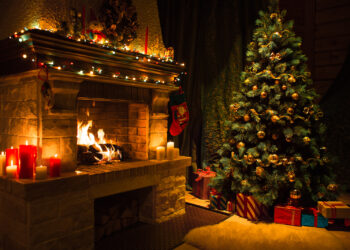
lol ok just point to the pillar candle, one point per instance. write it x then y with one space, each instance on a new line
27 157
2 164
146 40
11 171
176 153
160 153
41 172
11 155
55 166
170 150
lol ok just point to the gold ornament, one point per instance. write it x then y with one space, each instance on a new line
284 87
295 96
284 161
250 159
269 111
273 158
277 82
259 171
263 94
295 194
332 187
273 15
246 118
277 34
299 158
234 107
274 118
291 79
288 139
306 140
255 87
324 149
261 134
290 111
291 176
244 182
240 145
306 110
247 81
274 136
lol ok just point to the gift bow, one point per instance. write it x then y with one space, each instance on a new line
204 173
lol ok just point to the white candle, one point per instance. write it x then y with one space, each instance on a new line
41 172
160 153
11 171
2 163
176 153
170 150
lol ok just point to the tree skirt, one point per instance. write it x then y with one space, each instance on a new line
239 233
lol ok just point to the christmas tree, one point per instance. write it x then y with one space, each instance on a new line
274 130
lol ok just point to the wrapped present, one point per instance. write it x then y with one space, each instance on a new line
250 208
287 215
230 206
217 201
339 224
334 209
200 186
312 218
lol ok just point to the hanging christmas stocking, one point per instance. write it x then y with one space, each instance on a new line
179 111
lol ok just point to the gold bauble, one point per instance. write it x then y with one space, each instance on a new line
274 118
273 158
277 82
284 87
261 134
250 159
288 139
247 80
291 79
254 87
269 111
240 145
332 187
291 176
259 171
246 118
263 94
273 15
284 161
299 158
306 140
274 136
295 194
295 96
277 34
290 111
244 182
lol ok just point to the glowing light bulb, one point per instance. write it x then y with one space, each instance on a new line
26 143
24 56
134 78
59 68
91 72
20 40
55 155
182 64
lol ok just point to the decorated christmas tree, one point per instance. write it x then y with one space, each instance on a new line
274 131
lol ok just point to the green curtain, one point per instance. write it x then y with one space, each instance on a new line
211 38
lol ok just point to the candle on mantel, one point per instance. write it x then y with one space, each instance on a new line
11 155
2 163
170 150
27 156
176 153
55 166
146 40
160 153
11 170
40 172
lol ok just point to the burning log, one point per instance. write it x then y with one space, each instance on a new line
92 154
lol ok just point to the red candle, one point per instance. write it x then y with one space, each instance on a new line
146 40
12 155
27 156
55 166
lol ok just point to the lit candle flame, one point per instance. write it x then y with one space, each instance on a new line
11 147
26 143
2 153
11 163
55 155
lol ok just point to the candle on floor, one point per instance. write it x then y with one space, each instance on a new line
2 163
27 160
176 153
160 153
11 155
55 166
11 170
170 150
41 172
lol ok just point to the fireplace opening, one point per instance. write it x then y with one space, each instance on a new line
111 131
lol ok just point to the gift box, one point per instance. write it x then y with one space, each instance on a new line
200 186
312 218
287 215
250 208
339 224
230 206
217 201
334 209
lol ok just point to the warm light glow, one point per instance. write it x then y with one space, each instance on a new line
91 72
55 155
26 143
11 147
59 68
24 56
11 163
78 172
2 153
182 64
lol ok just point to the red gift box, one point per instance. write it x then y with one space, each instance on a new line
287 215
200 186
250 208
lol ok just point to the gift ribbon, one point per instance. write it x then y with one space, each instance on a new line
315 212
333 207
204 173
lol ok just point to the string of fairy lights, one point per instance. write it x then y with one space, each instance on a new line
88 69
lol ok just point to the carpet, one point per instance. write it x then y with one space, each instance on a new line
239 233
166 235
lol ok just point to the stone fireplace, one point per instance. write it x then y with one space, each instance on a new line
46 87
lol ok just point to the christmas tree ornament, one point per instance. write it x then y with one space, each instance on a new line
273 15
269 111
259 171
284 87
332 187
306 140
232 141
274 136
277 82
295 194
246 81
276 34
299 158
295 96
288 139
246 118
244 182
250 159
235 107
240 145
273 158
291 79
306 110
290 111
254 87
284 161
274 118
232 154
324 149
291 176
261 134
263 94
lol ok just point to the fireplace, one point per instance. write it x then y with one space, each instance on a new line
47 88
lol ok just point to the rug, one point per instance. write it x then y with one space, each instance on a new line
239 233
